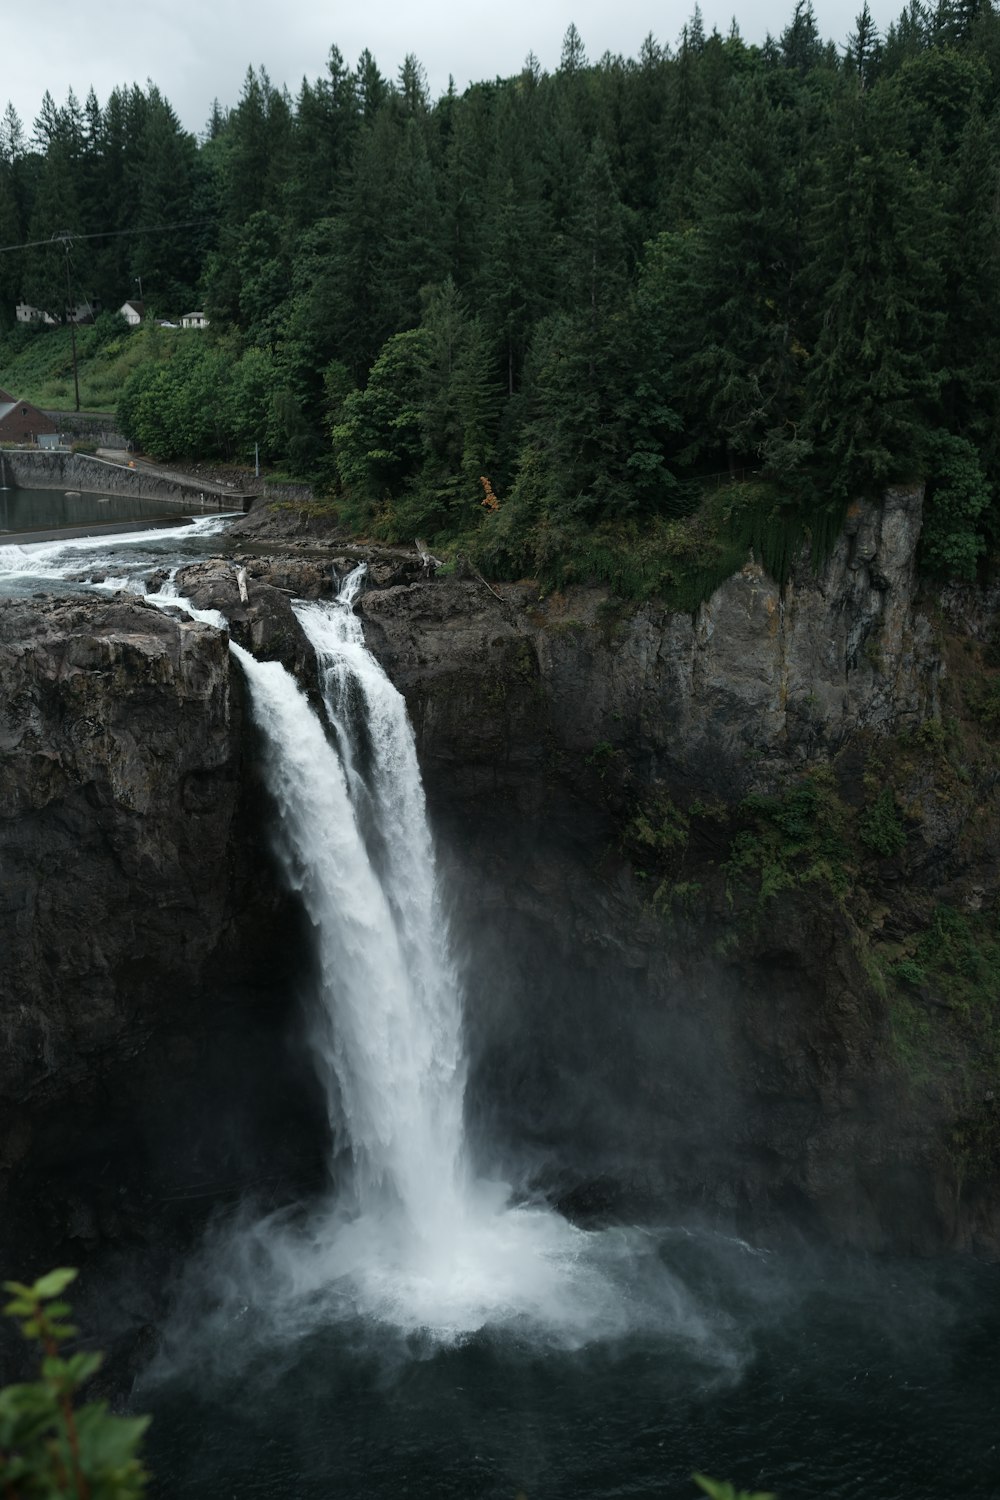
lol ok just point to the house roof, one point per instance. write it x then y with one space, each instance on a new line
138 307
6 407
6 396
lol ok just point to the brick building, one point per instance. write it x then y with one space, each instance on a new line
20 422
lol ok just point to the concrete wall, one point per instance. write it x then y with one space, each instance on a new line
98 476
99 427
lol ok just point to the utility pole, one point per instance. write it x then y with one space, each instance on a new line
67 240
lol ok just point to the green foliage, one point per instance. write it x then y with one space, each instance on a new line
944 1013
983 701
907 971
795 839
721 1491
51 1446
959 957
776 527
881 828
659 827
201 398
37 364
603 757
958 495
600 289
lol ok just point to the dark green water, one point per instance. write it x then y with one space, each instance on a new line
47 510
840 1378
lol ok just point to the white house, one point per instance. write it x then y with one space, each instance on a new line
194 320
25 313
83 312
133 312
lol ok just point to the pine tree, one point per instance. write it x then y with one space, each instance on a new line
163 259
736 334
877 234
864 49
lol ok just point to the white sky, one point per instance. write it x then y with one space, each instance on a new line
197 50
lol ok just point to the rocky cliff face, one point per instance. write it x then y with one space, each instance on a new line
755 683
662 829
133 894
680 894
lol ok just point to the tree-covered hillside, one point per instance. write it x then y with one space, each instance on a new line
551 312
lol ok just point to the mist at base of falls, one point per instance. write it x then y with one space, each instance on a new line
843 1379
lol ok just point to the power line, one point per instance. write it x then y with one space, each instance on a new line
106 234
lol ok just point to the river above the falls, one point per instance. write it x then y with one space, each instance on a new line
38 512
108 560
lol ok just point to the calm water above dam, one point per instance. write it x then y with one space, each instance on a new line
52 510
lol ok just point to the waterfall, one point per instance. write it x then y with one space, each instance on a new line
388 1030
415 1239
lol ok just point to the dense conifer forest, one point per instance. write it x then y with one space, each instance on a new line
620 320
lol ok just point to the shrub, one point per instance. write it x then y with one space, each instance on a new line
881 827
49 1446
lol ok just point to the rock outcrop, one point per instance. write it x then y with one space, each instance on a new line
140 927
756 682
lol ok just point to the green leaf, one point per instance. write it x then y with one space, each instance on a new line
81 1366
54 1284
107 1442
19 1308
719 1490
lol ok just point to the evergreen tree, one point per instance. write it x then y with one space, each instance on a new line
162 257
736 310
877 274
864 49
459 401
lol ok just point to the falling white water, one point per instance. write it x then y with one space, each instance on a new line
388 1042
417 1241
380 760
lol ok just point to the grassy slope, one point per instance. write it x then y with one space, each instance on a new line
38 367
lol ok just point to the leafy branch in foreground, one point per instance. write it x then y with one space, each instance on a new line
49 1446
719 1491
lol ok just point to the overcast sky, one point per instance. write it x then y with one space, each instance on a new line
199 50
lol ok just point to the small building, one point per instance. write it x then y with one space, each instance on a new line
20 422
26 313
83 312
133 312
194 320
